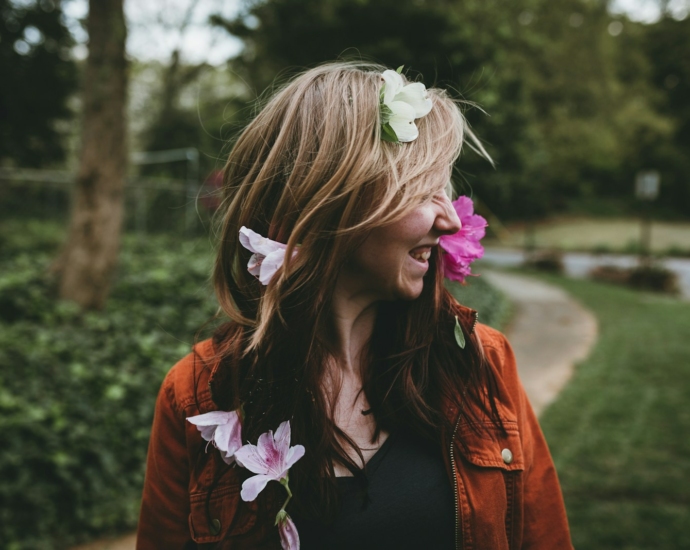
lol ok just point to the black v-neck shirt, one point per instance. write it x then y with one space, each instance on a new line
406 503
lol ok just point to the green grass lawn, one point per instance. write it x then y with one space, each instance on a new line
620 431
607 235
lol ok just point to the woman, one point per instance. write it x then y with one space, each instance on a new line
411 425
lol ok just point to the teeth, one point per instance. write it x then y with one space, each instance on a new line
422 256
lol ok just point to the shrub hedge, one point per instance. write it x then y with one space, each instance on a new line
77 390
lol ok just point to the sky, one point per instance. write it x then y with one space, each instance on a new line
155 26
154 29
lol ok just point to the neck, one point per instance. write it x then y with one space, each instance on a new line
352 326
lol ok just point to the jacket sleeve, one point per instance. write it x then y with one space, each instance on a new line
163 520
544 519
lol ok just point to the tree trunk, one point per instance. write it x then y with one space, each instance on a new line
87 260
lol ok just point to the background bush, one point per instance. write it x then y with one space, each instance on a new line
493 307
77 391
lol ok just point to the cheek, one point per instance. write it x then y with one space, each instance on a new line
413 228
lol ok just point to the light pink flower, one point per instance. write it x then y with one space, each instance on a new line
462 248
271 459
221 428
268 256
289 538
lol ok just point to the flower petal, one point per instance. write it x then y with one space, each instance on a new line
254 264
463 206
207 423
211 418
254 242
282 435
227 458
463 247
228 437
294 454
393 85
404 128
253 486
271 263
402 110
289 538
416 96
249 457
271 455
207 432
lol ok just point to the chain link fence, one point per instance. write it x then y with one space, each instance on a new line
151 204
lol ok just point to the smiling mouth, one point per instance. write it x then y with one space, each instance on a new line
421 254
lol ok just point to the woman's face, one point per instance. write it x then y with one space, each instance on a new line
392 261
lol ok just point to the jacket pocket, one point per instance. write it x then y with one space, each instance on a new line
490 486
213 515
489 448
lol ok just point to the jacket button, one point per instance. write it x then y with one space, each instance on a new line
507 456
215 527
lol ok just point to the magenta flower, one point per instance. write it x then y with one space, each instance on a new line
271 459
221 428
462 248
289 538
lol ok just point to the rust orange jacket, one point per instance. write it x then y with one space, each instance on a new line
506 489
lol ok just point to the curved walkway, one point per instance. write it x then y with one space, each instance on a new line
550 332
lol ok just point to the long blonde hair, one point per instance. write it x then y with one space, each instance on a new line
312 171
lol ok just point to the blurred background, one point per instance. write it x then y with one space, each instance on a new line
110 152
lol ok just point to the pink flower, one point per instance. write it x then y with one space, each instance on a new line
268 256
462 248
289 538
221 428
271 459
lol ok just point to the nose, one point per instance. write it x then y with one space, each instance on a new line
447 221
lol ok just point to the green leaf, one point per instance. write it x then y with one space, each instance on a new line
399 69
459 336
386 114
388 134
281 516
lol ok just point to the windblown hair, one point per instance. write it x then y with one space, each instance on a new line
312 171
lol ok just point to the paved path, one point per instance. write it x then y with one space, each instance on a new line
579 264
122 543
549 332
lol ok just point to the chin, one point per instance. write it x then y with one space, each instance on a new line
410 292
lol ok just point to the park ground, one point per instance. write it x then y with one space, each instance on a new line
618 430
598 235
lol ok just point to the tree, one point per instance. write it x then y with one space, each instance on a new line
560 121
667 45
90 253
38 78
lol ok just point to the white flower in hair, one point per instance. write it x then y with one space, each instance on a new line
400 105
267 255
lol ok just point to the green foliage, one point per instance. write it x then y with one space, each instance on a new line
38 76
667 48
568 102
617 430
77 390
179 105
491 304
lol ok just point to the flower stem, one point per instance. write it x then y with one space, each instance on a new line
284 483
